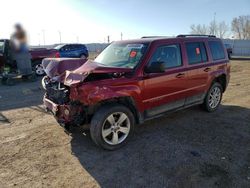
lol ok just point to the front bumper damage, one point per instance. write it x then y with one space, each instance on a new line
56 100
65 113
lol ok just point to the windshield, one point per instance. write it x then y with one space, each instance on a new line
58 46
1 46
124 55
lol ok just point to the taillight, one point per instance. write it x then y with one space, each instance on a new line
57 55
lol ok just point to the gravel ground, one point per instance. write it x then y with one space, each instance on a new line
189 148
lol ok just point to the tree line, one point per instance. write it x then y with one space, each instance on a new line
239 28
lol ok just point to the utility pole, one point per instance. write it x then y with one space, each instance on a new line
43 37
60 37
108 39
121 35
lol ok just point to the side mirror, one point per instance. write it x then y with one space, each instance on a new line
155 67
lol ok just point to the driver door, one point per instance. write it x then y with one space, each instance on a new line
167 90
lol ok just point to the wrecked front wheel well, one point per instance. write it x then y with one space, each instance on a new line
126 101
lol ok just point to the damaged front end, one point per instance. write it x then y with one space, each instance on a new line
57 96
57 101
62 97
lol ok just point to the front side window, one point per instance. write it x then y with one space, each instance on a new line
169 55
196 52
58 47
65 48
217 50
124 55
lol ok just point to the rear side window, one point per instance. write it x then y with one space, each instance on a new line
196 52
217 50
169 55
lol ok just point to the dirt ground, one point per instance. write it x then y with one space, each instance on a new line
189 148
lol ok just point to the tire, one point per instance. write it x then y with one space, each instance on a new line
82 56
39 70
211 104
100 125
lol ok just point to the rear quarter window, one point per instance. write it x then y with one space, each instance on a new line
217 50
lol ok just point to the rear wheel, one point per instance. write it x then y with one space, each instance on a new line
213 98
111 126
82 56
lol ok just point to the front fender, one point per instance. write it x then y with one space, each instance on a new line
91 94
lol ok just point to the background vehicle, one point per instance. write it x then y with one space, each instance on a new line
229 50
37 55
136 80
73 50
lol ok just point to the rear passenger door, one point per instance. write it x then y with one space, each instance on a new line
198 71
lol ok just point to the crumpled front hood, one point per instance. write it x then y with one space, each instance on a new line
73 71
55 67
79 75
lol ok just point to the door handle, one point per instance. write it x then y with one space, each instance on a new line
180 75
207 69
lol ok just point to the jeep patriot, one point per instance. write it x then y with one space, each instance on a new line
132 81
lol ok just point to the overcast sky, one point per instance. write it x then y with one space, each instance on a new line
93 20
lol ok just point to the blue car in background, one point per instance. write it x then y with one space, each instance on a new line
73 50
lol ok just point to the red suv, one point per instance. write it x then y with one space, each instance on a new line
135 80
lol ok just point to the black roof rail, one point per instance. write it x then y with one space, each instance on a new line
196 35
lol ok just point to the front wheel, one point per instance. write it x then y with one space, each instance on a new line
111 126
213 98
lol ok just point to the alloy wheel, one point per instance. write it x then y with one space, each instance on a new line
39 70
116 128
214 97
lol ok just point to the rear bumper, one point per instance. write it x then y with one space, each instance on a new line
64 113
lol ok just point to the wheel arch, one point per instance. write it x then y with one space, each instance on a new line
127 101
222 79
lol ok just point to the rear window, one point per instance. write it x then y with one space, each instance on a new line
217 50
196 52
